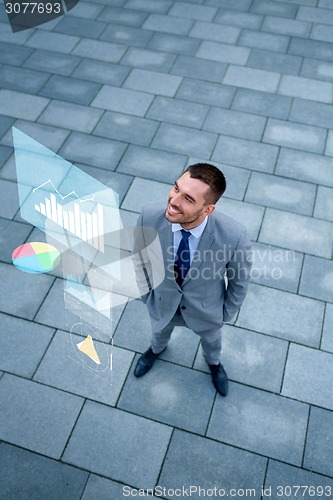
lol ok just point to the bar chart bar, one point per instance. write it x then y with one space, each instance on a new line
83 227
48 208
54 208
77 220
66 220
71 221
88 227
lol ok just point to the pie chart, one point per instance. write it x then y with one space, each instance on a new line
36 257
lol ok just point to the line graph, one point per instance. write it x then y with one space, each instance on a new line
89 227
81 200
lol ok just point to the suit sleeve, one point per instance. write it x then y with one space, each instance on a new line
142 264
238 272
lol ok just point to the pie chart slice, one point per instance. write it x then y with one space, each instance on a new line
36 257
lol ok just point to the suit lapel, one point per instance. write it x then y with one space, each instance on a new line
166 239
205 243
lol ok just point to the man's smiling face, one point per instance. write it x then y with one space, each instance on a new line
189 202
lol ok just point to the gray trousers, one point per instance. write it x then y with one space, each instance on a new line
211 340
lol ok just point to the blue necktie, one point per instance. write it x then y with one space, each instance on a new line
182 260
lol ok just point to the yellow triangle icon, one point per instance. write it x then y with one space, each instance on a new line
88 348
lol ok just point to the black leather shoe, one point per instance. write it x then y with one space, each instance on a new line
145 362
220 379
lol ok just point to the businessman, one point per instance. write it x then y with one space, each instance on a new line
207 261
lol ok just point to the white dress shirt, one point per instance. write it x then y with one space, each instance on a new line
193 239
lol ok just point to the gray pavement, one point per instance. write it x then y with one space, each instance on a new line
131 91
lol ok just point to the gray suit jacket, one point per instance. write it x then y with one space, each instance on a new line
207 299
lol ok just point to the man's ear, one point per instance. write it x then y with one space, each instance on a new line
209 209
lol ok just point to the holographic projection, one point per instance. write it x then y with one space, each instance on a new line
98 257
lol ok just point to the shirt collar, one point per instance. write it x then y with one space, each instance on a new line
195 231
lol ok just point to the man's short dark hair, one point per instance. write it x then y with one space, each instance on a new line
211 175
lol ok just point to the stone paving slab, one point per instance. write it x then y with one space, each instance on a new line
102 51
170 394
22 80
50 137
282 314
262 103
175 44
126 128
12 234
312 113
299 165
327 340
63 368
272 41
23 345
165 24
101 71
70 89
235 123
206 92
153 82
320 70
319 442
276 267
192 460
319 271
20 105
123 100
313 384
210 31
250 358
92 150
195 67
35 416
104 489
298 232
289 477
72 116
142 190
178 112
152 164
246 154
184 140
286 26
148 59
9 197
248 214
261 422
295 135
55 42
277 192
126 447
275 61
31 290
27 474
306 88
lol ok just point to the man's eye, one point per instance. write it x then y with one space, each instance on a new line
188 199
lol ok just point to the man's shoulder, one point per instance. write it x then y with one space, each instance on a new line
226 223
153 213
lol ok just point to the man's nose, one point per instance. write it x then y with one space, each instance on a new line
175 198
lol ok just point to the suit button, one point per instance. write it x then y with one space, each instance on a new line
183 307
